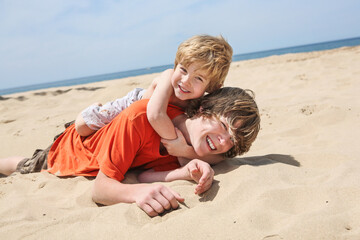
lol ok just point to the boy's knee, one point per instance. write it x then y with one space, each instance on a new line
9 165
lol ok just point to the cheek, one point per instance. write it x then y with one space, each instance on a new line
196 139
174 79
199 90
199 148
229 145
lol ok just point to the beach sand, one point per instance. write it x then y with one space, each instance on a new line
300 179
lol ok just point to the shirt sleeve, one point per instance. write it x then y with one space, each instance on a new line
97 117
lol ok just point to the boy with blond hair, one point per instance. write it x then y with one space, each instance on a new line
201 65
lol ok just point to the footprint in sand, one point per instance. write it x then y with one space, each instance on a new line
272 237
40 93
301 77
89 88
3 98
308 109
58 92
18 133
7 121
133 83
21 98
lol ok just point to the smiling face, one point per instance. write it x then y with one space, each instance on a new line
240 109
189 82
210 135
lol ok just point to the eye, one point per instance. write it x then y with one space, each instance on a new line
224 126
183 70
200 79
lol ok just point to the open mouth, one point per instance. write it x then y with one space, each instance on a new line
210 143
183 90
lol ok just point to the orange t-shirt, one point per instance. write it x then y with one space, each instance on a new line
126 142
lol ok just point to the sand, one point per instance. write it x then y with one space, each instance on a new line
300 180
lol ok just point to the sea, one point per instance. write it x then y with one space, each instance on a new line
239 57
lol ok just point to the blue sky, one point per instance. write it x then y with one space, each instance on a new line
44 41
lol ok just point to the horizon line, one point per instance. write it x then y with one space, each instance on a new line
12 90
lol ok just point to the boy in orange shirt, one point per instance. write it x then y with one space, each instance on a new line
201 65
227 120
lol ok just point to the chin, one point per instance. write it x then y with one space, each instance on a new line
200 154
181 97
178 95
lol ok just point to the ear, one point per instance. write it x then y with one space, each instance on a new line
200 109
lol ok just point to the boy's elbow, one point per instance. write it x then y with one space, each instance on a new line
80 131
97 196
96 199
77 127
94 194
154 117
79 123
81 128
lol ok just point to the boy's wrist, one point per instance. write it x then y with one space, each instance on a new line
190 152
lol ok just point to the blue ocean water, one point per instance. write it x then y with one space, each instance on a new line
136 72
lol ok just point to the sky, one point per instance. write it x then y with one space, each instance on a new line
44 41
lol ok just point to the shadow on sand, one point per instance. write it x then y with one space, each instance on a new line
232 164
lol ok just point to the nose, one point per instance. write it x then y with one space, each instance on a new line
225 139
186 80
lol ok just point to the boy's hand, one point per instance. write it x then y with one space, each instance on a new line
156 198
176 146
202 173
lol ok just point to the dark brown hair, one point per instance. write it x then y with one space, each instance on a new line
234 104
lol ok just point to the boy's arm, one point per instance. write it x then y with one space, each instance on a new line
97 115
151 198
157 106
197 170
81 127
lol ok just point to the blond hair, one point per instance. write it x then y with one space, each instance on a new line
234 104
213 53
